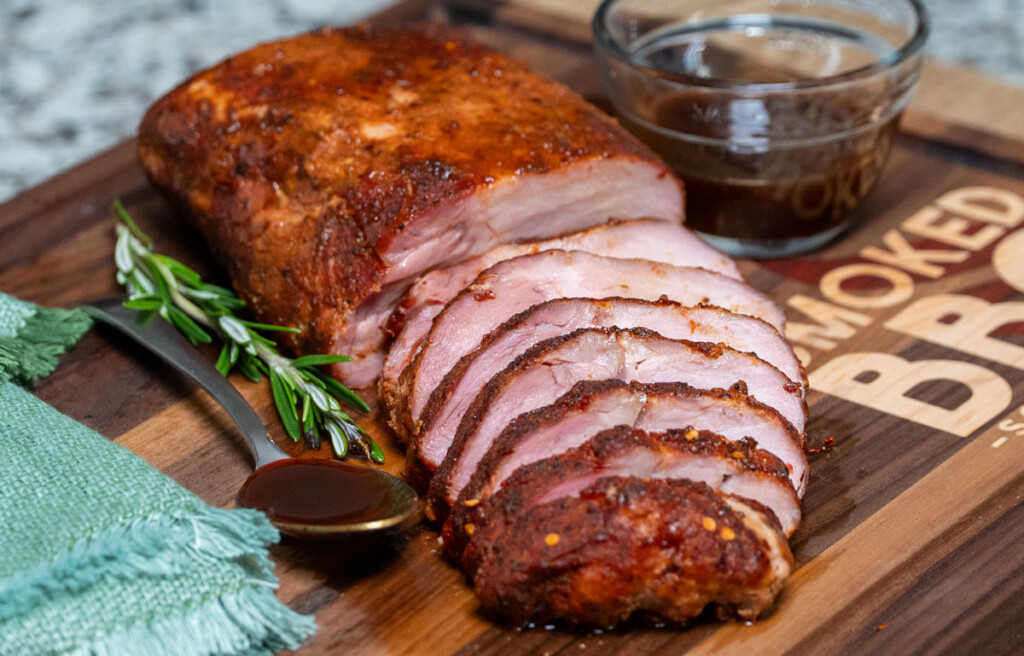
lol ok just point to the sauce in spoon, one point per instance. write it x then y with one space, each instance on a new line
317 492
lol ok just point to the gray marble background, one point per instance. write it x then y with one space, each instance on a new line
76 75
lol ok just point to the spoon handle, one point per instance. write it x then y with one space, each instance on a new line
164 341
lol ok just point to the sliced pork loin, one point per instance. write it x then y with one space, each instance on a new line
649 239
624 545
734 468
448 402
328 170
593 406
550 369
514 285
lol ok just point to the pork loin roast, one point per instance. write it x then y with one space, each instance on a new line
614 417
328 170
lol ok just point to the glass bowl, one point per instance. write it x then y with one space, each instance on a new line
778 114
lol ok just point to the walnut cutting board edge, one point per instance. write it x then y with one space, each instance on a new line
910 541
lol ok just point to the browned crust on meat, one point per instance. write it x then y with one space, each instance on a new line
267 151
396 404
625 545
436 498
578 399
529 482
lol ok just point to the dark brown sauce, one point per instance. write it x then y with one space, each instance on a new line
767 193
322 492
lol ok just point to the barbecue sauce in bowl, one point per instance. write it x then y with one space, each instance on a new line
306 497
747 181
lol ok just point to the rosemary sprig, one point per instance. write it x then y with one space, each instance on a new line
308 400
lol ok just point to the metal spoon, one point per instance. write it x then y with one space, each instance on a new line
391 502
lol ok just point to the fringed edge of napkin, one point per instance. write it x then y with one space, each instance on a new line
249 621
158 546
45 335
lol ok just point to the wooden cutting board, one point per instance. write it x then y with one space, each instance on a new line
912 327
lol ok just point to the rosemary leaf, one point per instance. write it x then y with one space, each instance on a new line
123 253
248 368
143 303
122 214
339 441
263 340
234 329
224 360
188 326
317 360
308 418
376 453
221 291
271 327
157 279
180 270
336 389
284 407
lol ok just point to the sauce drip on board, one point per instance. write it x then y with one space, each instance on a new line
320 492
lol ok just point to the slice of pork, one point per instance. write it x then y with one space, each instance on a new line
625 544
542 374
512 286
649 239
449 401
593 406
734 468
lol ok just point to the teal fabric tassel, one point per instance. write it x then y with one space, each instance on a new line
101 553
32 339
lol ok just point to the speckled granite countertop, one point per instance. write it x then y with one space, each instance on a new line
76 75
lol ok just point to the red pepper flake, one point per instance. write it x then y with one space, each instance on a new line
485 295
881 627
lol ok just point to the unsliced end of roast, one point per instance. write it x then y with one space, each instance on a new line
623 545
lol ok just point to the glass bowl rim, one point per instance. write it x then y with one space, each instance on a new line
604 40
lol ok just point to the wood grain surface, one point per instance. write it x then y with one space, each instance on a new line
913 521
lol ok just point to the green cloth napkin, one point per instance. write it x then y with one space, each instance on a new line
102 554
